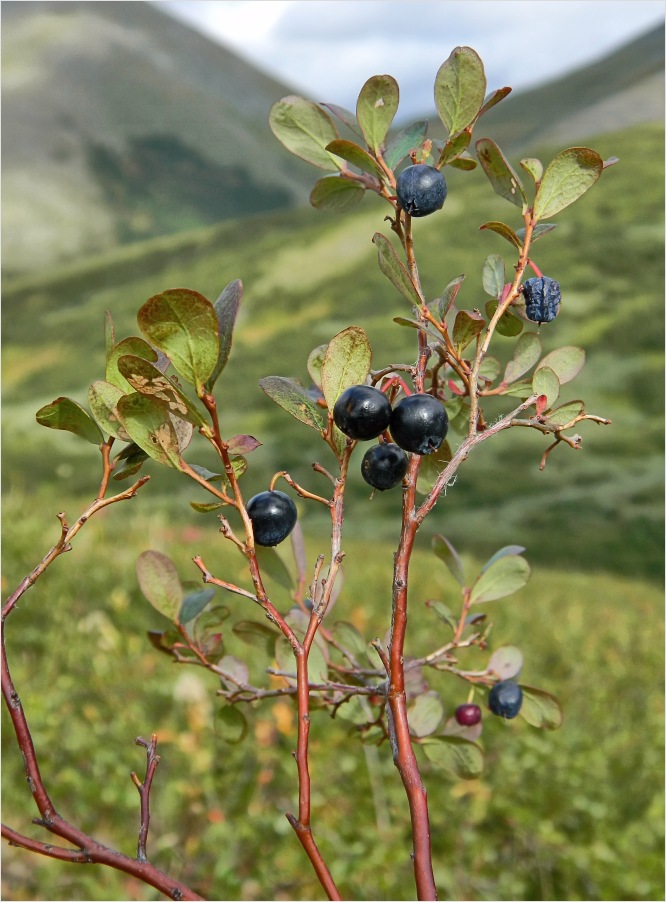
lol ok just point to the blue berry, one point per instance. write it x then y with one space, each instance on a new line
419 424
362 412
542 299
421 190
383 466
273 516
505 699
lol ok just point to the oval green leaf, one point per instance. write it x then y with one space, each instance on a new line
534 167
150 427
565 362
454 754
525 355
504 577
545 382
68 415
194 603
346 362
425 714
132 345
272 566
501 228
103 399
445 551
226 310
394 270
460 89
493 275
315 362
449 295
305 130
508 324
466 327
357 156
505 662
231 725
565 415
146 379
408 139
568 177
376 108
336 194
291 396
183 324
160 583
541 709
501 176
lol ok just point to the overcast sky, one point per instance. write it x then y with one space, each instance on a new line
328 48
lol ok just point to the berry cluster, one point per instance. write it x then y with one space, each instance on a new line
418 424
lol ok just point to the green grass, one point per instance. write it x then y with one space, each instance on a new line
575 814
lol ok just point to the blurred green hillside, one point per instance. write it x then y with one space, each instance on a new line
308 275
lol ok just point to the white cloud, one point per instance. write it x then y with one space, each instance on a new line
328 48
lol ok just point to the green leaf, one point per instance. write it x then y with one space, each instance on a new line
408 139
449 295
394 270
355 711
493 99
504 577
255 634
489 369
565 414
226 309
345 116
464 162
502 177
508 324
443 613
503 552
305 130
336 194
346 362
376 108
128 462
291 396
351 639
459 756
539 230
233 671
493 276
505 662
460 88
132 345
183 324
425 714
525 355
103 400
454 148
315 362
242 444
466 327
541 709
534 167
505 231
63 413
231 725
565 362
568 177
146 379
160 583
272 565
194 603
150 427
357 156
445 551
545 382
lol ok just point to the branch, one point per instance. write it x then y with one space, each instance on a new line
153 759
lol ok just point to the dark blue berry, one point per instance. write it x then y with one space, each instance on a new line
419 424
505 699
362 412
273 516
383 466
421 190
542 299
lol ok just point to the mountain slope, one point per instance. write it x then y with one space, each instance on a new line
120 123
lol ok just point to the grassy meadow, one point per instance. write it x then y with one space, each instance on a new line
576 814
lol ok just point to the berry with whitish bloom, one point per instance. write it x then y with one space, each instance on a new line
383 466
273 516
421 190
505 699
419 424
362 412
542 299
468 715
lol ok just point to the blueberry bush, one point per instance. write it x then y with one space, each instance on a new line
406 425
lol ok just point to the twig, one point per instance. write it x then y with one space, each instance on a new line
153 759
